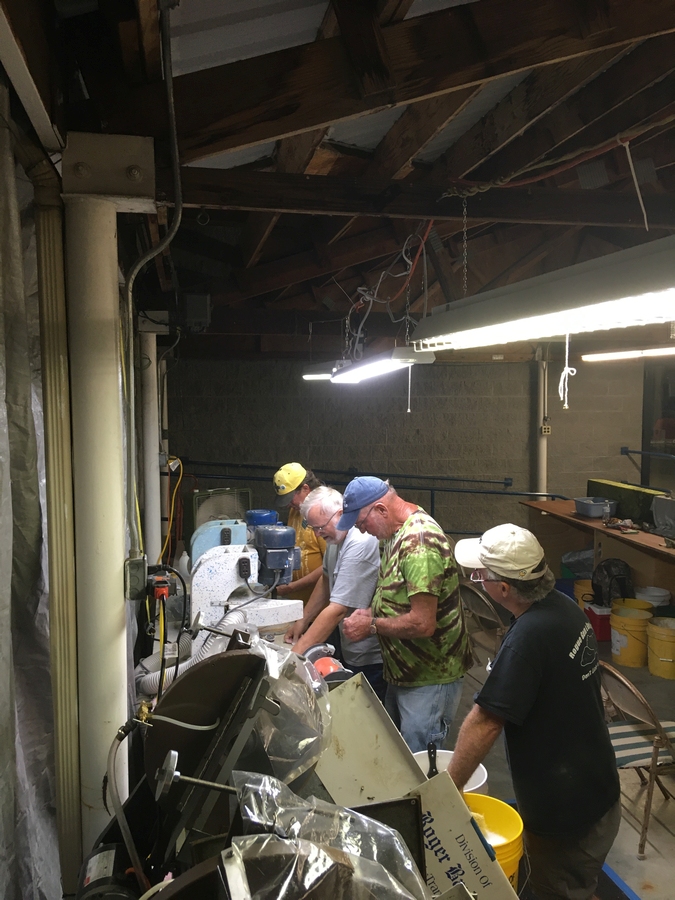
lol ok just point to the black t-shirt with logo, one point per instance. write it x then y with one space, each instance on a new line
545 683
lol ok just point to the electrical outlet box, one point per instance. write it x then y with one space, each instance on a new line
546 429
136 578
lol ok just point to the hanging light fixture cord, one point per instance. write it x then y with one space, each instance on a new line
565 376
637 185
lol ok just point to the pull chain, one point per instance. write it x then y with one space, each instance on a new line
465 266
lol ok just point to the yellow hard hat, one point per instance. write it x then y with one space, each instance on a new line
287 480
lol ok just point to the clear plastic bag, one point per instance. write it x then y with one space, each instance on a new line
267 803
295 738
267 867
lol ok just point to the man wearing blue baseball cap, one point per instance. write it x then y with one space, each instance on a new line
416 611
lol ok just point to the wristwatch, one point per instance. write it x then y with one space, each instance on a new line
373 626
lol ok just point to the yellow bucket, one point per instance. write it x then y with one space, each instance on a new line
504 831
632 603
629 636
661 647
583 591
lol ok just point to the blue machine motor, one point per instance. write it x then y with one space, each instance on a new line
257 517
277 554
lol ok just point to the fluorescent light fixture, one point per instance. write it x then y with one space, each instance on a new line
627 288
382 364
324 371
628 354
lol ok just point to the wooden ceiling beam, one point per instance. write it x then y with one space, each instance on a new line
240 320
148 21
303 266
522 108
365 45
307 87
633 82
299 152
315 194
520 266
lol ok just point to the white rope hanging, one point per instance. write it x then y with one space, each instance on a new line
565 376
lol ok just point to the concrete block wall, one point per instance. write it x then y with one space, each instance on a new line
474 421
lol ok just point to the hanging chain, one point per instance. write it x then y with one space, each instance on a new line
465 266
345 352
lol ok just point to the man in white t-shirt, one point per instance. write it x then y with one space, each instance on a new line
350 570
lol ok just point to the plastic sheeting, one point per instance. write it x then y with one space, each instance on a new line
29 866
297 735
266 867
268 804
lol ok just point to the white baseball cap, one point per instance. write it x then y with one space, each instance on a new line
507 550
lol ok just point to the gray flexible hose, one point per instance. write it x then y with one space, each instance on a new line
149 684
152 663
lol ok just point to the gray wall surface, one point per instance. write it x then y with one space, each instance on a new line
475 421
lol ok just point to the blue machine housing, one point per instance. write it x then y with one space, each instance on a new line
277 554
214 534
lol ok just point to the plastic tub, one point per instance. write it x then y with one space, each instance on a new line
661 647
503 830
656 596
594 507
583 591
477 784
629 637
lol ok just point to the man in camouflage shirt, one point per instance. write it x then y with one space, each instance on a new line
416 611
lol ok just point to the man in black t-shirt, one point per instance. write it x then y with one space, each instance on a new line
543 691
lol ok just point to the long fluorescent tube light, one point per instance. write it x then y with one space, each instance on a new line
627 288
382 364
324 371
628 354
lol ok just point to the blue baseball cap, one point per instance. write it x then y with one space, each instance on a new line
359 493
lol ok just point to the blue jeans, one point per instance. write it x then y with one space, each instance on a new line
373 672
424 714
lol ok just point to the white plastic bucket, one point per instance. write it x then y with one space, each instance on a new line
655 595
477 784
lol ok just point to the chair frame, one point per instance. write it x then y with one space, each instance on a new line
501 629
661 742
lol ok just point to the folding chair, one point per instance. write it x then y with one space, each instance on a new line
644 744
483 622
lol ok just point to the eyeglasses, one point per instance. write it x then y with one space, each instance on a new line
363 521
317 528
478 576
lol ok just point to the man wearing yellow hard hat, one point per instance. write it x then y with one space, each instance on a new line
292 484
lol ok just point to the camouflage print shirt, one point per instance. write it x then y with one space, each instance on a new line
418 559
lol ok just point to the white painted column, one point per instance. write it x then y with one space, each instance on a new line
152 509
98 471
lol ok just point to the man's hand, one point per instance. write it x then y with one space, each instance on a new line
294 632
357 626
284 589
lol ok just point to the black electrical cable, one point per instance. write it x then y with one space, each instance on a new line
183 621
